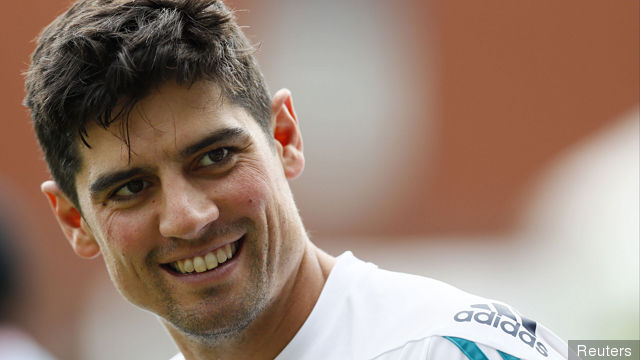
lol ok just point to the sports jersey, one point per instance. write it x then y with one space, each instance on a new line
364 312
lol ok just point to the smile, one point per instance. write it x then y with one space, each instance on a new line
206 262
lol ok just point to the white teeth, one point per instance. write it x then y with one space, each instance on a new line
207 262
211 260
188 266
222 256
199 264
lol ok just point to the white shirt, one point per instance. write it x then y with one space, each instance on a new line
364 312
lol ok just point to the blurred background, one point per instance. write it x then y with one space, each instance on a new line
493 145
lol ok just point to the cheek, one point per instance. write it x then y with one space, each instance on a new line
251 188
124 233
124 249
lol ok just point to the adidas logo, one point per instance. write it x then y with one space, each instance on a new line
501 317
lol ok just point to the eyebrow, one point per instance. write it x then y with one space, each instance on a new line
108 180
220 135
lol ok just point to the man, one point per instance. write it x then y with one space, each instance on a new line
170 161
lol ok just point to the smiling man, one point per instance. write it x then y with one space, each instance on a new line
171 161
195 220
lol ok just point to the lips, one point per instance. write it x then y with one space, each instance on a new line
205 262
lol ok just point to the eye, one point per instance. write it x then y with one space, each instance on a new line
213 157
131 188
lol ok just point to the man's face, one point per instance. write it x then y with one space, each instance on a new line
201 180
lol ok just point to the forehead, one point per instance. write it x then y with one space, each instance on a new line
172 107
161 125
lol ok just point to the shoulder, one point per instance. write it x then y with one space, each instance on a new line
500 326
447 348
383 286
402 311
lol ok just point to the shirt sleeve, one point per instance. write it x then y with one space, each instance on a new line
455 348
444 348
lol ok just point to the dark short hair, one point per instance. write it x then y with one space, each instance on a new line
99 58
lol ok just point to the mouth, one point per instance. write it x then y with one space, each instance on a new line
212 260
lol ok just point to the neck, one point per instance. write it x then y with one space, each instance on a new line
276 326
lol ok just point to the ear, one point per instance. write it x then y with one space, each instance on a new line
286 132
71 222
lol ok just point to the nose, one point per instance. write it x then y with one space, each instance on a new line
187 210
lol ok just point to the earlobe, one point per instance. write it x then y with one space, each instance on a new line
71 222
286 134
